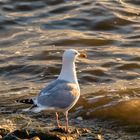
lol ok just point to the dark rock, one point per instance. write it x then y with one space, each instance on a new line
23 134
10 137
35 138
37 135
55 134
61 130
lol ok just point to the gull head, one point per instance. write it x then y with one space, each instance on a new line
71 55
68 71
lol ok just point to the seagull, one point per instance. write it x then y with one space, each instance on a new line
61 94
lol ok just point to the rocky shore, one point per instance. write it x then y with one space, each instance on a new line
19 127
41 127
56 134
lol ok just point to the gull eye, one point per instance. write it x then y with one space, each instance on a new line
75 53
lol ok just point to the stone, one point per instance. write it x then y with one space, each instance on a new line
79 118
10 137
4 132
23 134
35 138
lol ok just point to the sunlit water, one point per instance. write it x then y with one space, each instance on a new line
34 34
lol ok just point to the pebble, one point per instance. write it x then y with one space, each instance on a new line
79 118
17 52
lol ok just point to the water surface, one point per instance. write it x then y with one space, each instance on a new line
34 34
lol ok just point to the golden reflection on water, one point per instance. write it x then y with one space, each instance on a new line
32 43
130 7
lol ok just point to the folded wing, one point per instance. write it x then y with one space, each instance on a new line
59 94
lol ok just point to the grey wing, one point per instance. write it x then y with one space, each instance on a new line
61 96
48 88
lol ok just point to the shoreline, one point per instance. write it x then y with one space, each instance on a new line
81 129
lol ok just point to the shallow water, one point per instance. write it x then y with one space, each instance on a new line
34 34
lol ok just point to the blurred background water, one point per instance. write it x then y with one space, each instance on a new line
34 34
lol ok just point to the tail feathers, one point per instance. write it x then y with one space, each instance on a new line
30 108
25 101
34 108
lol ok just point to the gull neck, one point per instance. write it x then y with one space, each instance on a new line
68 71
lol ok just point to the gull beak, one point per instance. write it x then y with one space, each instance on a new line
82 55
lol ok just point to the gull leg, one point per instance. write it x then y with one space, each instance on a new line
67 125
57 121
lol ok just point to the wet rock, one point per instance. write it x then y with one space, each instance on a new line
23 133
4 131
35 138
10 137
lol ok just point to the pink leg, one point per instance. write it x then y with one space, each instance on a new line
67 125
57 121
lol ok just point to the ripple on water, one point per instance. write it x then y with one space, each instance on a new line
128 66
23 6
82 42
35 33
119 106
